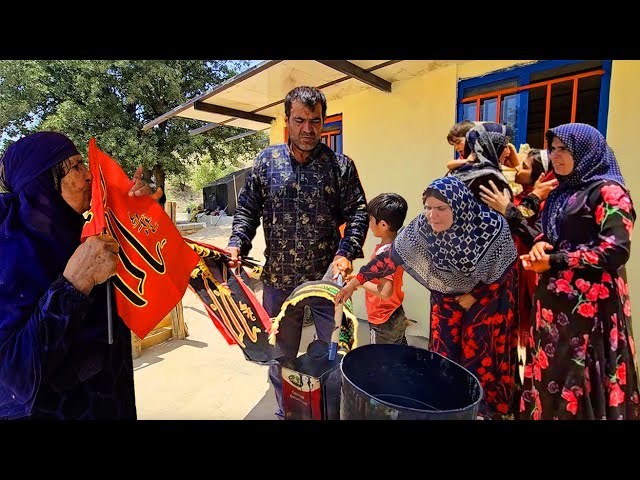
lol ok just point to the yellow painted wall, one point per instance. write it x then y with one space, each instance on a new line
622 132
276 134
398 142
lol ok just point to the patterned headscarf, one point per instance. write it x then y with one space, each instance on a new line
487 140
478 246
593 160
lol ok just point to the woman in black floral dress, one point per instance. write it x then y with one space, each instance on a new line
581 355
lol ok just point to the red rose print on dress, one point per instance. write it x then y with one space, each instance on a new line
586 309
612 194
582 285
567 275
616 395
621 373
571 396
603 292
623 288
590 257
562 286
600 212
625 204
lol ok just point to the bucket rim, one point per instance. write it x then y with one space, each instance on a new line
417 410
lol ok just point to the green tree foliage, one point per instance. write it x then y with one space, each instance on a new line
206 171
111 100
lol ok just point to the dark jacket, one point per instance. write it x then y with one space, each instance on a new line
302 207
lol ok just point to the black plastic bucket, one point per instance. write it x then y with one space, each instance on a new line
398 382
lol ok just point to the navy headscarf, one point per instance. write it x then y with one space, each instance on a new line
593 160
476 248
39 232
487 140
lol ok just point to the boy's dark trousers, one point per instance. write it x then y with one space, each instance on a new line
392 331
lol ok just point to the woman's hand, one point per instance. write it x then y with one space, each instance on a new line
539 250
542 189
512 160
466 301
345 293
497 200
537 259
93 262
140 187
538 266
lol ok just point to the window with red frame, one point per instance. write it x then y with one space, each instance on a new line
536 97
331 132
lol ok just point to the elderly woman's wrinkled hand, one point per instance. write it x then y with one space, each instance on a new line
92 263
140 187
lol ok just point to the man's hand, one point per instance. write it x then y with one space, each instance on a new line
140 187
234 253
497 200
92 263
466 301
341 265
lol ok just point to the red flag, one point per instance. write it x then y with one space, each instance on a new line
95 219
155 262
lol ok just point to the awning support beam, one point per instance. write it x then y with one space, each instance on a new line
232 112
205 128
358 73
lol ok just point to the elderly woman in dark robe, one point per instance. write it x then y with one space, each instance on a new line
55 359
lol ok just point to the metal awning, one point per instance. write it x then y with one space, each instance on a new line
254 98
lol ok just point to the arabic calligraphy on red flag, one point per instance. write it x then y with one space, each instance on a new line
154 263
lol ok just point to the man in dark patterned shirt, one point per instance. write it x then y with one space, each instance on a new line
304 192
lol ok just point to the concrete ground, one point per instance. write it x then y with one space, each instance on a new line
204 378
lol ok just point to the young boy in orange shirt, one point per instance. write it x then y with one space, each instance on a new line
383 297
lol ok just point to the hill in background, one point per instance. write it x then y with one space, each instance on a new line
183 198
